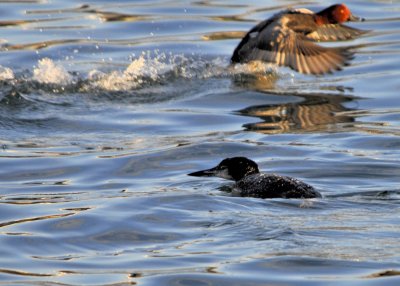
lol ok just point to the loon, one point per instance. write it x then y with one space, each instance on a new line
289 38
251 183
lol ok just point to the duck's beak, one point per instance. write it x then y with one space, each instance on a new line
205 173
354 18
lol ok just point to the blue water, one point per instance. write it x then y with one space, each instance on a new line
105 106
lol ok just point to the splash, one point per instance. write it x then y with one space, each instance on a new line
6 73
254 67
150 68
48 72
132 77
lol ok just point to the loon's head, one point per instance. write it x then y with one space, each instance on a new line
235 168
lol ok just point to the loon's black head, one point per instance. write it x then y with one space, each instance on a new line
235 168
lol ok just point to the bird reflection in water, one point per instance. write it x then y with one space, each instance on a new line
321 112
315 113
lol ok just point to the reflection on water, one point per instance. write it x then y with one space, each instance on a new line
315 113
103 15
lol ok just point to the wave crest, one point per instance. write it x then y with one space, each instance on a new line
48 72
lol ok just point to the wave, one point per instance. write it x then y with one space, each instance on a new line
148 69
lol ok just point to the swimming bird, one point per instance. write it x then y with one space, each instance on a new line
289 39
251 183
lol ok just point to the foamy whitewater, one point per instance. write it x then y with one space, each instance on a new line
148 68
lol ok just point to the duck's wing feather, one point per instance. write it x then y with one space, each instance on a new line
335 32
243 49
297 52
305 56
272 41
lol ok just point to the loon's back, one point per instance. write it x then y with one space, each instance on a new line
266 186
251 183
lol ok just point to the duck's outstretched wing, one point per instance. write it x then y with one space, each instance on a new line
272 41
243 50
335 32
305 56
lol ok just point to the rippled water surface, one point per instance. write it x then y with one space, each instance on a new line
105 106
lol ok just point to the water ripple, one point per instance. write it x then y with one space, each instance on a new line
106 106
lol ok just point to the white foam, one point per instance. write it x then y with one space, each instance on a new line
50 73
153 67
150 69
6 73
132 77
254 67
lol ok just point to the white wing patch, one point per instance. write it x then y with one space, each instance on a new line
303 11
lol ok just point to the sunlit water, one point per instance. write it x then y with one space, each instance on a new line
105 106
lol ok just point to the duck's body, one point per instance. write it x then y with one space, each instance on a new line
288 39
251 183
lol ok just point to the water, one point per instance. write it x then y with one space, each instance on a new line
105 106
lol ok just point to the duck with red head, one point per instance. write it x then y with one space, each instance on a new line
288 39
335 14
249 182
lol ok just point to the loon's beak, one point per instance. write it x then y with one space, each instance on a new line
204 173
354 18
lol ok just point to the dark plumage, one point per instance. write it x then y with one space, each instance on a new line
251 183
